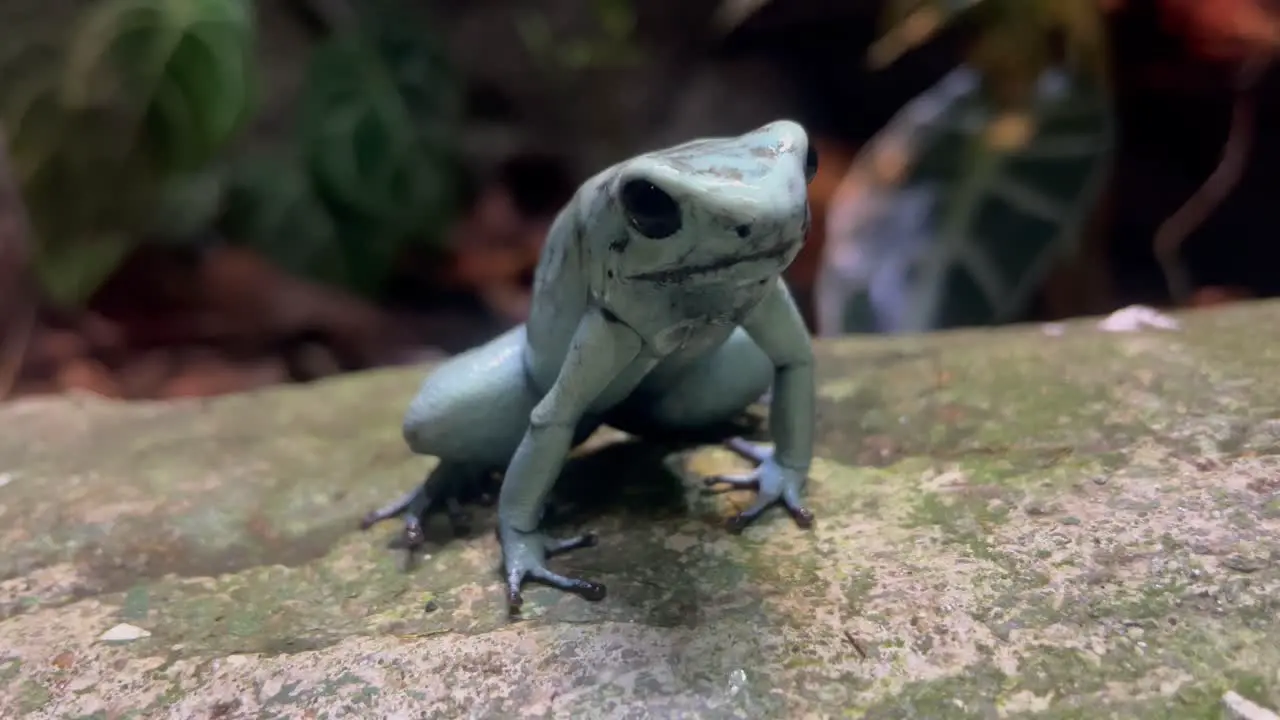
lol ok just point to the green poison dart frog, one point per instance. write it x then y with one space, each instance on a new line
658 306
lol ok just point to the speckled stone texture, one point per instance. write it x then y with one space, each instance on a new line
1010 524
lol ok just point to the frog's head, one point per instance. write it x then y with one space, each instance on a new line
721 210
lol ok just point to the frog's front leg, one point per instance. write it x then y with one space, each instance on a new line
779 331
602 348
708 394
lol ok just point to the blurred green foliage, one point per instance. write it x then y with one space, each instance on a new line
144 91
612 45
372 169
126 133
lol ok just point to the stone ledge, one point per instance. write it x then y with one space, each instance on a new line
1010 524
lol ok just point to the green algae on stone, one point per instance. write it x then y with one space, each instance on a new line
32 696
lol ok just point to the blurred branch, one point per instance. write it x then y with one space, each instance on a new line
1174 230
17 291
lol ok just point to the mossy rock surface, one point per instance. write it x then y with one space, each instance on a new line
1010 524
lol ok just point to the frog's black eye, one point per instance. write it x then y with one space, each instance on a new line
650 210
810 164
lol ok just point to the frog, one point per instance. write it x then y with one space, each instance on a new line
659 306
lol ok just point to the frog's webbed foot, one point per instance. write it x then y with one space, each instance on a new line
414 507
771 481
445 488
524 556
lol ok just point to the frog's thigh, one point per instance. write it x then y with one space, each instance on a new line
474 409
712 390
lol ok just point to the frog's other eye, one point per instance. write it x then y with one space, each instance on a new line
810 164
650 210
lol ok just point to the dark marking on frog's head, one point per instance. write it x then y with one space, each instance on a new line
719 210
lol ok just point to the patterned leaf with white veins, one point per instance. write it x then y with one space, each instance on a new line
954 214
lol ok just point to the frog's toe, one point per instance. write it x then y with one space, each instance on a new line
559 546
740 481
524 557
795 505
414 507
395 508
757 454
789 498
774 485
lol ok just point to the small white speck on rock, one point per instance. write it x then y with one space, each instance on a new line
1241 709
1137 317
737 681
124 632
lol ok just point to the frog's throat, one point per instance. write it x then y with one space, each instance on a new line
688 272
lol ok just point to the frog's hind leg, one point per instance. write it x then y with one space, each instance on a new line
471 413
449 484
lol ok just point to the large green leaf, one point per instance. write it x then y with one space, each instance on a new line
81 188
121 124
954 213
379 118
184 68
361 137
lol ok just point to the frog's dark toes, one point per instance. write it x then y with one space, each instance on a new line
391 509
802 515
584 589
524 558
789 498
414 506
413 536
773 484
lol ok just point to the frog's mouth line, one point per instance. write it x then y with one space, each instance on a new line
679 274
